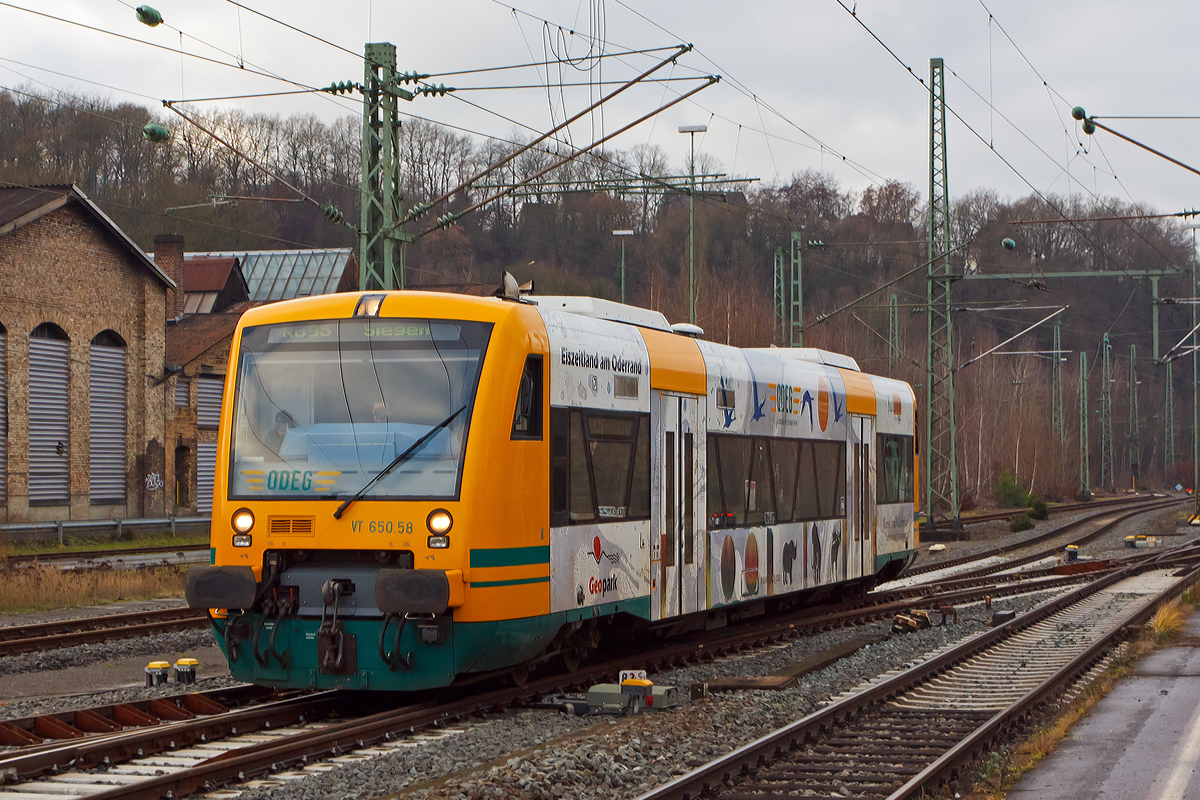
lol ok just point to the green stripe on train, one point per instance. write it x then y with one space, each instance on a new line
514 582
510 556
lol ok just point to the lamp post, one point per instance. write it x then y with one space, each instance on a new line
622 234
692 130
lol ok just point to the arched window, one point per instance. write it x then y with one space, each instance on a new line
3 417
49 440
106 421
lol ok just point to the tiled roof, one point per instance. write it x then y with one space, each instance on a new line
206 274
20 205
288 274
193 334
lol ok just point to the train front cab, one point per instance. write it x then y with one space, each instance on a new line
377 597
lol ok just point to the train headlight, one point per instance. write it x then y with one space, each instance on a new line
241 540
439 522
243 521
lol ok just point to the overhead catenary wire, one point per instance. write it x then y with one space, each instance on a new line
1041 196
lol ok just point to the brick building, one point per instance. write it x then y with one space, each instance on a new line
82 335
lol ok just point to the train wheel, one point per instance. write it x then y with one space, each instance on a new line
519 675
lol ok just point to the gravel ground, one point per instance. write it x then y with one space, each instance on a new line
84 655
987 535
547 754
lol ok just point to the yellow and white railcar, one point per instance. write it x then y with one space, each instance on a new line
416 486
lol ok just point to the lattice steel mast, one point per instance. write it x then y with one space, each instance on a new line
380 240
941 452
1107 478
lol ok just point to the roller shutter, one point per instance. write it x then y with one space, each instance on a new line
206 471
49 442
106 435
3 420
181 392
208 401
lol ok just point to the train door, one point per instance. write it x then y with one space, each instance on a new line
860 511
678 511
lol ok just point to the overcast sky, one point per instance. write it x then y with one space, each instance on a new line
829 96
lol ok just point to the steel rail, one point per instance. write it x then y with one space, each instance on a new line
46 731
719 772
126 744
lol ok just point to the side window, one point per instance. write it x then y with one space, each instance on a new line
760 499
784 460
527 417
753 480
599 467
893 473
735 476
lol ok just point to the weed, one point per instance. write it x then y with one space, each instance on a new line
1021 523
995 770
1191 595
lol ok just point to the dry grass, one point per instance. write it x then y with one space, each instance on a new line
38 588
1166 624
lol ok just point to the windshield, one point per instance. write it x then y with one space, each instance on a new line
323 407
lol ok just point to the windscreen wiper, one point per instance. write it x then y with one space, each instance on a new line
398 460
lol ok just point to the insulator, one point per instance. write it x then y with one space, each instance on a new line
333 215
446 220
409 77
154 132
419 210
342 87
1089 127
1077 113
148 15
437 90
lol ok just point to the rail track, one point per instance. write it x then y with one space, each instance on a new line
1000 551
184 744
197 748
16 639
1059 508
920 729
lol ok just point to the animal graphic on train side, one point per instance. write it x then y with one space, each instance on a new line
415 488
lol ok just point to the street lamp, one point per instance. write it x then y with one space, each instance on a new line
692 130
622 234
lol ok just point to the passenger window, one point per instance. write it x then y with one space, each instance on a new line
527 418
760 500
599 467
